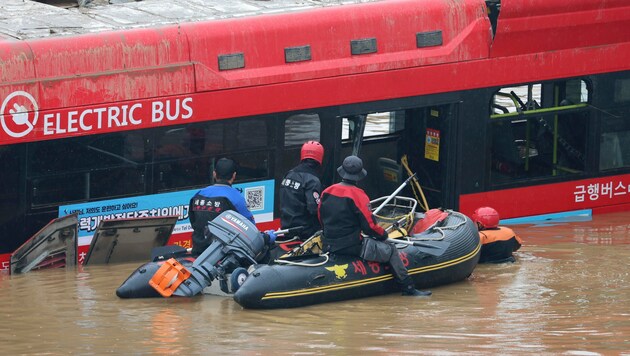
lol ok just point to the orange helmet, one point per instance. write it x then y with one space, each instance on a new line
486 218
313 150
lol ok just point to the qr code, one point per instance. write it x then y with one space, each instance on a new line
255 198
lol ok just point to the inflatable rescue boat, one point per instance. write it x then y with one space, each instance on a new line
445 253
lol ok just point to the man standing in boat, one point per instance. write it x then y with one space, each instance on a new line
210 202
300 192
345 212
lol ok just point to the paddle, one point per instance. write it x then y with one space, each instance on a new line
392 195
289 231
435 248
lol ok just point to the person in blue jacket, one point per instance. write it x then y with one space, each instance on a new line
211 201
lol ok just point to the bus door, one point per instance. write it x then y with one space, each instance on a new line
373 136
429 147
394 144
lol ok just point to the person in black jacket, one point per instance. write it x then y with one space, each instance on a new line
300 192
345 212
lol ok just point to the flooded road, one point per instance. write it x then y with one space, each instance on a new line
568 293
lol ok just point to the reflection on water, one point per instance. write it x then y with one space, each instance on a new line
569 293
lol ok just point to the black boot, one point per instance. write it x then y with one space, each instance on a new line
411 291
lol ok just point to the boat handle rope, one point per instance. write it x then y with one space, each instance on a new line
293 263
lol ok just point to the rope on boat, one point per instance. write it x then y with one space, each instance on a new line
293 263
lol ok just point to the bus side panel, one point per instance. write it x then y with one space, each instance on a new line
583 194
16 59
17 74
393 25
5 263
524 26
111 67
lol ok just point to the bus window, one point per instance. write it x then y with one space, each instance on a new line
84 168
514 99
622 91
11 204
539 130
301 128
251 133
375 137
184 154
298 129
614 149
376 124
252 166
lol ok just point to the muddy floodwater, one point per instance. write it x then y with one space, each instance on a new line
568 293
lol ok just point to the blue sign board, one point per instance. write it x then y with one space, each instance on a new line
259 197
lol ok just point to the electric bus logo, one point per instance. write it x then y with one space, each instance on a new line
15 117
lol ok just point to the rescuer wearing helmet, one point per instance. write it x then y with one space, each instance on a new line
345 212
498 242
300 192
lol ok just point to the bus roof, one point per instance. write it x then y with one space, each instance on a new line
30 19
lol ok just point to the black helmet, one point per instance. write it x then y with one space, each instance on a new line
352 169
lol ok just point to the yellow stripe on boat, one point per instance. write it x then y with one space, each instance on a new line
367 281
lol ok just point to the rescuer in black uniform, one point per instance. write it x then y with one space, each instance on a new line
300 192
345 212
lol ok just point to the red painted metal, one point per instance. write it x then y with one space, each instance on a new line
328 32
99 78
121 80
594 193
531 26
111 66
5 263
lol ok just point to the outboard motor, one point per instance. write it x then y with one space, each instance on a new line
236 242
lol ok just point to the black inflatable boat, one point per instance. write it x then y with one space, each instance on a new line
443 254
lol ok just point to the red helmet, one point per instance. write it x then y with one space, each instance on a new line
314 150
486 218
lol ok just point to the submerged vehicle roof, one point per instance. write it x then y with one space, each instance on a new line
30 19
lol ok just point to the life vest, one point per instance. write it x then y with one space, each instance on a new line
500 233
498 244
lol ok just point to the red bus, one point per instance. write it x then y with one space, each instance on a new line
523 105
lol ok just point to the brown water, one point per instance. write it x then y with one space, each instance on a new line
568 293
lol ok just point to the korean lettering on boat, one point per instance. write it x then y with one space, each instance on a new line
375 267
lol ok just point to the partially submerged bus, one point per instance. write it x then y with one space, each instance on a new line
119 111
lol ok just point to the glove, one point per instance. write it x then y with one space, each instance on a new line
272 236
